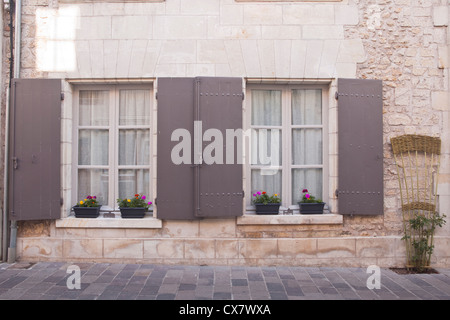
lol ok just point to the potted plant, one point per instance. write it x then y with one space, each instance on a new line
310 205
134 207
266 204
87 208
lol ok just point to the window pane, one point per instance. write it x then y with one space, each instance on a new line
266 107
310 179
266 180
134 147
94 108
306 146
93 182
266 147
134 181
307 107
93 146
134 107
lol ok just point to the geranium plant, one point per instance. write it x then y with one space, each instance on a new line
308 198
138 201
88 202
264 198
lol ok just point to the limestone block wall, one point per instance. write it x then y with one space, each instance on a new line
403 42
190 38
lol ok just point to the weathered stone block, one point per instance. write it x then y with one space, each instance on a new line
199 249
297 248
335 248
84 248
123 248
164 248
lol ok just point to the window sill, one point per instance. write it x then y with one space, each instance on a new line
311 219
148 222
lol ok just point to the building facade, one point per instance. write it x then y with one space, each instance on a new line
132 73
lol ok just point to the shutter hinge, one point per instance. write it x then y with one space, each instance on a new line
156 201
243 194
336 193
243 96
336 95
156 95
62 96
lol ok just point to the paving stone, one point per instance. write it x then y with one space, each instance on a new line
166 282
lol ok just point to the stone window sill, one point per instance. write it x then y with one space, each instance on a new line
148 222
296 219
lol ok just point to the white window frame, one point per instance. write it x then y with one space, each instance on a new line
286 138
114 128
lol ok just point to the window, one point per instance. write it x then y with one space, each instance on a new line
287 141
113 134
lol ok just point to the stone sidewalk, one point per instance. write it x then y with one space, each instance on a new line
105 281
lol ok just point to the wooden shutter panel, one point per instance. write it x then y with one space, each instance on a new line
360 138
219 191
35 138
187 191
175 182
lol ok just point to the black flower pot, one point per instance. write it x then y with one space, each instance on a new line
132 213
311 208
86 212
270 208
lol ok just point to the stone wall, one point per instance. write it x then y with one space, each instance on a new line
406 46
402 42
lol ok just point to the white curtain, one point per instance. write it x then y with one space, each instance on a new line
132 129
266 108
134 142
133 181
93 147
307 143
306 107
93 144
134 107
310 179
93 182
268 181
307 146
93 108
266 143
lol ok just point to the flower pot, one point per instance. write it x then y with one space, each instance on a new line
311 208
270 208
132 213
86 212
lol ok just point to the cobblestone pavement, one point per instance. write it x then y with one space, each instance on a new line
105 281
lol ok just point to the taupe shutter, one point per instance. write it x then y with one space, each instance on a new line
175 182
202 187
360 138
218 182
35 130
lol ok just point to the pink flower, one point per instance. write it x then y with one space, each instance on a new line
149 203
143 197
259 193
254 194
307 196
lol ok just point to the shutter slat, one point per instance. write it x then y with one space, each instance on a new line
360 138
